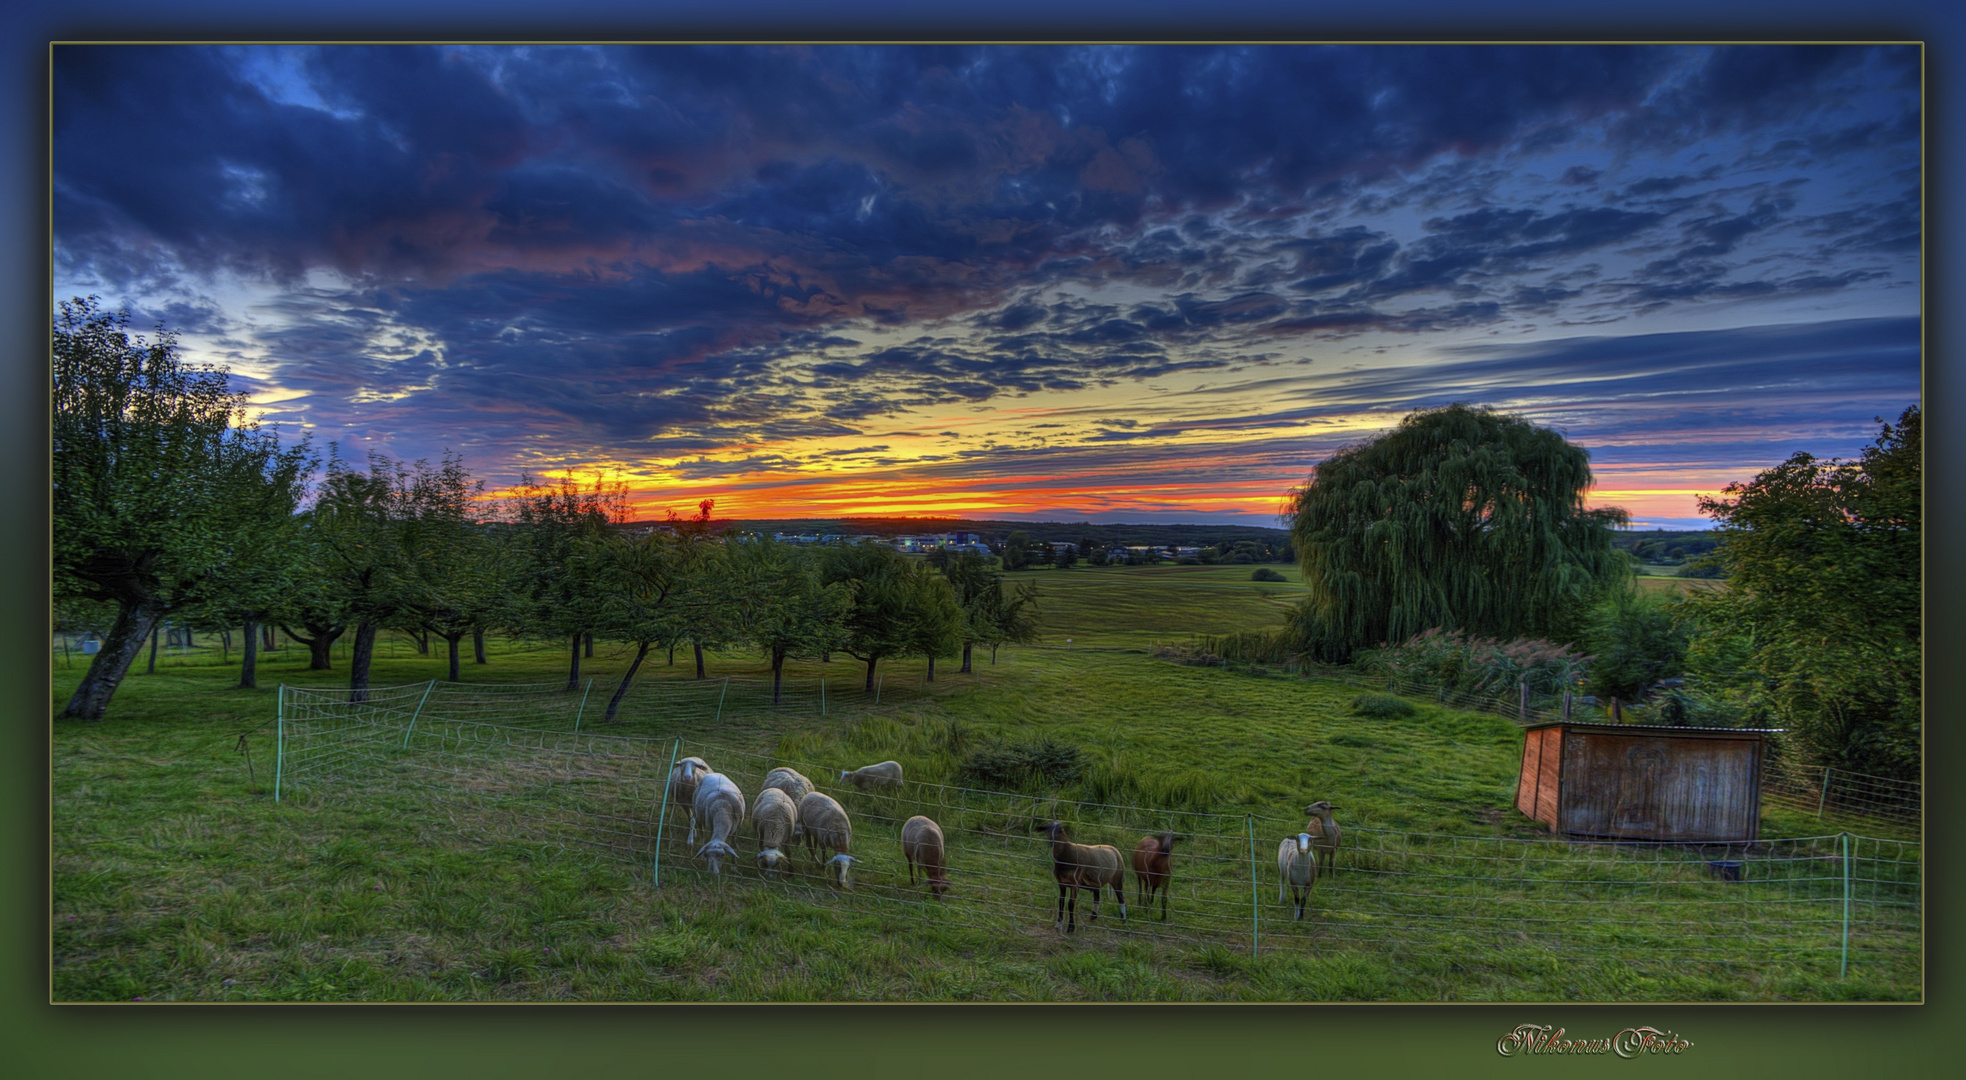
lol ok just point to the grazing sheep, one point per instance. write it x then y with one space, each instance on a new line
719 806
921 845
682 781
827 828
1150 870
775 818
867 778
794 784
1296 870
1324 834
1084 866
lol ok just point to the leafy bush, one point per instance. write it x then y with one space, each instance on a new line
1476 665
1382 707
1636 641
1264 573
1249 646
1017 766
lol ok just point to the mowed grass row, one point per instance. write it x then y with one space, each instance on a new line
175 873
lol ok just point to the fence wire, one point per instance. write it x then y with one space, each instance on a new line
502 764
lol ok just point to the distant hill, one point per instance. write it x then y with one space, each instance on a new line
1042 532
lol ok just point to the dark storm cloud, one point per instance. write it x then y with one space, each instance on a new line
686 247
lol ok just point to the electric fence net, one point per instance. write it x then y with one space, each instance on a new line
507 763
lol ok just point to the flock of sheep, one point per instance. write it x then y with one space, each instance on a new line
790 809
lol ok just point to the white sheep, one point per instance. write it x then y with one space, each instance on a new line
869 777
1324 834
683 778
719 806
774 817
794 784
827 828
921 845
1296 870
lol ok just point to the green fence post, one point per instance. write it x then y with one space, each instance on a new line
1824 796
583 706
721 695
822 696
877 687
1254 925
279 739
655 871
408 731
1846 907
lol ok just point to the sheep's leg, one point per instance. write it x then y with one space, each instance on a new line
1060 923
1163 901
1119 894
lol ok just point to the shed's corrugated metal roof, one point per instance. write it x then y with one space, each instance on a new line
1663 729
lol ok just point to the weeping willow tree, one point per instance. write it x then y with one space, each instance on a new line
1460 518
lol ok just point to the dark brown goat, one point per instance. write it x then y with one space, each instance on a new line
1084 866
1150 870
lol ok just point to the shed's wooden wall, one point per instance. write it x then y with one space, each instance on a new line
1660 787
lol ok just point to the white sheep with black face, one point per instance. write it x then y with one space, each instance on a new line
719 807
775 818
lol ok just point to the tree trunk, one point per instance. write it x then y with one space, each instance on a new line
965 670
699 658
266 639
155 633
777 673
225 646
870 673
454 640
641 652
249 663
590 645
320 647
134 622
931 669
358 665
478 643
573 673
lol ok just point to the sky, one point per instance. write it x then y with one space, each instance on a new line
1123 283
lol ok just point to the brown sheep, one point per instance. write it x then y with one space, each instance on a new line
1150 870
1324 834
1084 866
921 845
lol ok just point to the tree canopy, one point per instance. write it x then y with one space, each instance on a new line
1460 518
1820 626
160 485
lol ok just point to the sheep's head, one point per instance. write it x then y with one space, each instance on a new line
937 887
1319 809
1055 831
768 860
1303 842
717 851
840 864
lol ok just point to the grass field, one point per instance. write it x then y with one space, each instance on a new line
447 871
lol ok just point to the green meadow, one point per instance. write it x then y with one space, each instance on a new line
455 866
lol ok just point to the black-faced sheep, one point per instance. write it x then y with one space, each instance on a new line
1150 870
1084 866
1296 870
719 806
827 828
921 845
774 817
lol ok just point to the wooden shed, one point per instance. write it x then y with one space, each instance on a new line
1638 782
